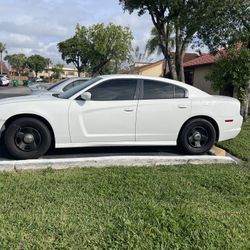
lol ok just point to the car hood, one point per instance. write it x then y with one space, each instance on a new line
27 98
44 92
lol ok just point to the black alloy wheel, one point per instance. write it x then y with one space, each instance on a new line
27 138
197 137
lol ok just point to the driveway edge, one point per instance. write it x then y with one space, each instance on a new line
113 161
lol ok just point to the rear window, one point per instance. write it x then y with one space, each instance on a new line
162 90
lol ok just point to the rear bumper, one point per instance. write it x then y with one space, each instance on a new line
229 130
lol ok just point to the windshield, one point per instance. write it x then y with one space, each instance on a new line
67 94
56 84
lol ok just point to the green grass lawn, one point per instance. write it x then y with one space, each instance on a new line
181 207
239 146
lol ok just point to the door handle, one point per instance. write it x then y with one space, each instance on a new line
182 106
128 110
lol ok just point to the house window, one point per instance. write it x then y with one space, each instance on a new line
189 76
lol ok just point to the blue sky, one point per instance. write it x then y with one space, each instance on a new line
36 26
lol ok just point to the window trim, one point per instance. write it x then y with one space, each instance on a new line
142 91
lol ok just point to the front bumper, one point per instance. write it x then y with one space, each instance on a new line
2 127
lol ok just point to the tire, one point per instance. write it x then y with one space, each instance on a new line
197 137
27 138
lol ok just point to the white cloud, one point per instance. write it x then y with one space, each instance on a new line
31 26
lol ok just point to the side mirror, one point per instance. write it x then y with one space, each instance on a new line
86 96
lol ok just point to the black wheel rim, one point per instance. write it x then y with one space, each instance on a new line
198 137
28 139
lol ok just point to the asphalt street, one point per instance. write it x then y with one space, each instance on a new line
6 92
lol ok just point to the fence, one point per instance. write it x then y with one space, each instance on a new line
19 78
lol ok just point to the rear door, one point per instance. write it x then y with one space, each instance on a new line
162 110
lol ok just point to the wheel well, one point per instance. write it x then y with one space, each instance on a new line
40 118
211 120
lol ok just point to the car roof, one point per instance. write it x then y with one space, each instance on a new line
130 76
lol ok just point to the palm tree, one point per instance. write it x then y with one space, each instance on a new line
2 50
153 44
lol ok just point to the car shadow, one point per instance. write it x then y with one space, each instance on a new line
112 151
101 151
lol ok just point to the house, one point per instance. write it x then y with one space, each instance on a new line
198 69
155 69
3 69
67 73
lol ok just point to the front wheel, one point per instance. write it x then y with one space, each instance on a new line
27 138
197 137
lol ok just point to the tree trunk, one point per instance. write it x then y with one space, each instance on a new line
169 61
244 104
172 68
78 72
1 62
179 55
164 68
181 76
177 50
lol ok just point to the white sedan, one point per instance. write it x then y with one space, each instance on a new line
119 110
59 87
4 80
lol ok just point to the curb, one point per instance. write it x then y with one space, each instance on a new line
218 151
113 161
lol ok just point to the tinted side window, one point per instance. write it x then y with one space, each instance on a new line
79 82
161 90
69 86
179 92
73 84
118 89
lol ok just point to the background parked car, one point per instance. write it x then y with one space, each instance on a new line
4 80
58 87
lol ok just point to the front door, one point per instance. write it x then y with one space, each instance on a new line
108 117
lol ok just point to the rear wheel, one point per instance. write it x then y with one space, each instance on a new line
27 138
197 137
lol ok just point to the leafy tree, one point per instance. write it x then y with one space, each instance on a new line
153 44
229 27
138 56
57 71
189 18
37 63
2 50
108 46
17 61
233 68
186 16
75 49
98 48
226 26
